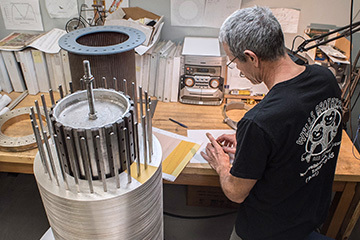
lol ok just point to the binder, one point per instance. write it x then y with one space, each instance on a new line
5 82
41 70
28 70
168 75
154 59
160 80
178 64
66 70
14 71
138 70
55 68
145 69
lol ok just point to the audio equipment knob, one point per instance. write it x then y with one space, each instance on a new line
189 82
214 83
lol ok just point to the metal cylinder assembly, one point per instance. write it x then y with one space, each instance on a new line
99 174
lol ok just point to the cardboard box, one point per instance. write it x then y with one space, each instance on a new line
136 13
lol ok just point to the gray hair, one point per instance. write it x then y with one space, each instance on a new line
254 29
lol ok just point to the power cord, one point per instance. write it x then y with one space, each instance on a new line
198 217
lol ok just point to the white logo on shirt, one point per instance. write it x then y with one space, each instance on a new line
318 134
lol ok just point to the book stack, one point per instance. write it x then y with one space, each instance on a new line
33 62
158 70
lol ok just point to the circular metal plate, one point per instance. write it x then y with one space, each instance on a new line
72 111
16 144
69 40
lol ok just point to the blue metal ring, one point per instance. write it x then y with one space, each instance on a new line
69 43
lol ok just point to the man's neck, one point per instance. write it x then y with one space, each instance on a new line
280 70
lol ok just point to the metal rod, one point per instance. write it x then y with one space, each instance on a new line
61 91
116 156
39 117
48 121
52 99
144 141
116 88
39 145
89 79
62 167
125 87
137 148
103 84
81 84
71 87
150 129
85 156
141 105
18 100
69 145
146 101
101 161
51 159
127 153
135 101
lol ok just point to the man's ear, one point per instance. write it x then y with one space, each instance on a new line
251 56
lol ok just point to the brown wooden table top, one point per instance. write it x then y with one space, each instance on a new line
193 116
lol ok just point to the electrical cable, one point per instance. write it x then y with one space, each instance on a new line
293 42
198 217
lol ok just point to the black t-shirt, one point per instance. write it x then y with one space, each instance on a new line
289 142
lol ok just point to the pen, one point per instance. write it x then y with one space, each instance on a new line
183 125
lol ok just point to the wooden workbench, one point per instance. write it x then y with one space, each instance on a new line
345 208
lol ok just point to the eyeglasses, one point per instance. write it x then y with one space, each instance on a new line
230 65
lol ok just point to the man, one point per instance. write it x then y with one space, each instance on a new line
287 145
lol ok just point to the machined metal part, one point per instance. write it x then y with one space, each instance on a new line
61 91
81 84
137 147
88 78
62 167
116 156
146 101
72 156
51 159
143 125
133 89
150 129
101 155
141 113
103 82
18 100
125 90
48 121
85 156
52 99
127 153
40 146
115 82
71 87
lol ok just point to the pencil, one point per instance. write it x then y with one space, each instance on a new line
183 125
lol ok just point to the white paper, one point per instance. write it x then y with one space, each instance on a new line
236 82
288 19
200 137
216 11
48 43
202 13
21 14
61 8
201 46
143 49
48 235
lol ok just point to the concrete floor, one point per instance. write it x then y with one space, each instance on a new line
22 216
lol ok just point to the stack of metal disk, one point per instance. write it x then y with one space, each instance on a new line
99 174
